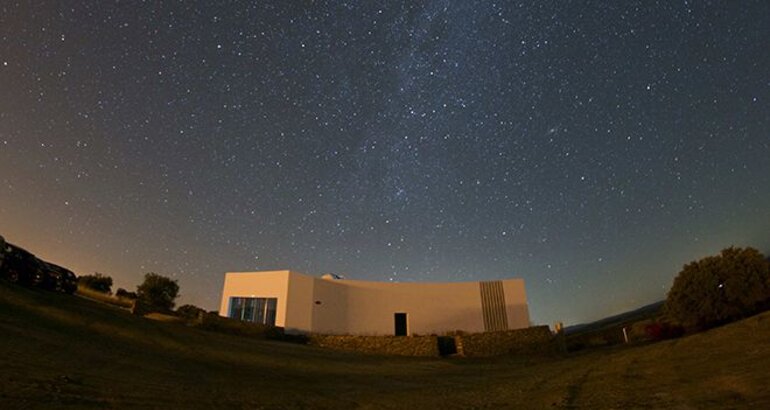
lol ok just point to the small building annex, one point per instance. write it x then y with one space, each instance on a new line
329 305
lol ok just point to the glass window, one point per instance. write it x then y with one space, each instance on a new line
257 310
270 311
248 309
236 308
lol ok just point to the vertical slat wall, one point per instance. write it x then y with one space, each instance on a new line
493 306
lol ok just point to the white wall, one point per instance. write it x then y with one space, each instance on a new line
516 303
430 308
330 307
299 310
360 307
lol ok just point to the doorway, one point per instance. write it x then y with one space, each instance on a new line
401 324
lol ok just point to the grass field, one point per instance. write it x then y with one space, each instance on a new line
59 351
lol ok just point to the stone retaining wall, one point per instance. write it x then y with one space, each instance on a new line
532 340
425 346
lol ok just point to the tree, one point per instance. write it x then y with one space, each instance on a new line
719 289
157 293
97 282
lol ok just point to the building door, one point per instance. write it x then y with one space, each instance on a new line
401 328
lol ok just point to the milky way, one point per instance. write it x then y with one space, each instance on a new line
591 148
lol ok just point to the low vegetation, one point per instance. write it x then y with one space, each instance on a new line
122 293
96 282
65 352
190 312
115 300
214 323
59 351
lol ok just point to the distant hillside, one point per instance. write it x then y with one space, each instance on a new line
644 312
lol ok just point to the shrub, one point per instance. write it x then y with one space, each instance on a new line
719 289
122 293
189 312
97 281
662 330
219 324
157 293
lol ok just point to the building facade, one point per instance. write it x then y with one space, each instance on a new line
307 304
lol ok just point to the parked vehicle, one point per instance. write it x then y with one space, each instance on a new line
2 255
18 265
57 278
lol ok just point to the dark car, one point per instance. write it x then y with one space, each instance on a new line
20 266
2 256
69 282
57 278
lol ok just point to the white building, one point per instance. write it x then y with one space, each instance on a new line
304 304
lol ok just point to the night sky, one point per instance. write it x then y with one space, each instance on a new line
590 148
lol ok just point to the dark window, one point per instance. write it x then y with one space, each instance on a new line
236 308
257 310
401 327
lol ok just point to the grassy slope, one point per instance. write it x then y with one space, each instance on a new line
62 351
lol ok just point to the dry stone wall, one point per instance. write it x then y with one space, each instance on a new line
425 346
532 340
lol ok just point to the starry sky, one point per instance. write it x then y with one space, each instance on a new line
590 148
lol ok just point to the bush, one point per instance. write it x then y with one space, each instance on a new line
189 312
97 282
214 323
719 289
122 293
157 293
661 331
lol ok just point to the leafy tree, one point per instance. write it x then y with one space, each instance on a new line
97 282
157 293
719 289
